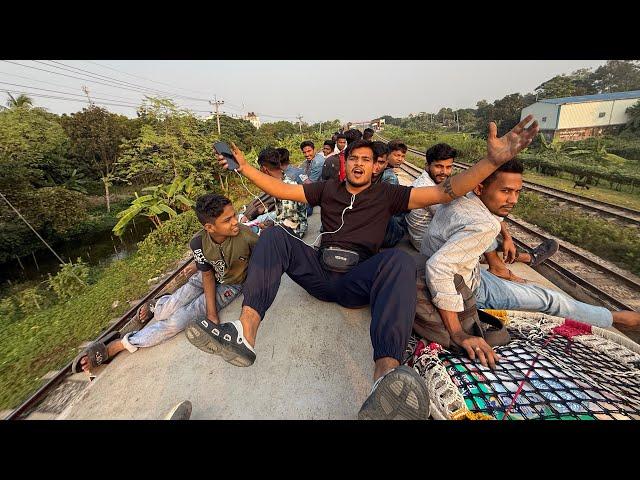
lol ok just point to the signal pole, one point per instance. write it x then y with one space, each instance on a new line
299 117
85 89
217 103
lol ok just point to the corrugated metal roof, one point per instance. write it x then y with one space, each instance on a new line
593 98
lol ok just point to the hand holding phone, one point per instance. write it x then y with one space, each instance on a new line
223 149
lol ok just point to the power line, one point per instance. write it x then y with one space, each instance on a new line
110 79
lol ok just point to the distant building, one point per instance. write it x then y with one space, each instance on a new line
575 118
253 118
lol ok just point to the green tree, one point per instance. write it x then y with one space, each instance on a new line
96 136
22 101
617 76
634 117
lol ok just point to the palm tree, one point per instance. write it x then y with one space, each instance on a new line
21 101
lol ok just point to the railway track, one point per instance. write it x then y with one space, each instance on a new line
622 215
580 273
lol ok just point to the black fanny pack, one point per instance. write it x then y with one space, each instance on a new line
339 259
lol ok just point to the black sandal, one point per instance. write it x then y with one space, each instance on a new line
97 353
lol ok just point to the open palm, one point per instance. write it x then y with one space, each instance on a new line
501 150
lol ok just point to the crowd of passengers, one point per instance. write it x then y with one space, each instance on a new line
451 220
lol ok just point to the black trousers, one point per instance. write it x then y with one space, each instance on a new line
386 281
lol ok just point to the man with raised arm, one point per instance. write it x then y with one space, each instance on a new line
348 268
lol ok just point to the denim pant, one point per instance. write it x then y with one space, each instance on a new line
173 312
396 228
496 293
385 281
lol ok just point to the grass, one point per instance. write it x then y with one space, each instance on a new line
626 199
620 245
47 339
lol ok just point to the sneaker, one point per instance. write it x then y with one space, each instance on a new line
542 252
224 339
182 411
401 394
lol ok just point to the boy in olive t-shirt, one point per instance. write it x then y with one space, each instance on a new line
221 252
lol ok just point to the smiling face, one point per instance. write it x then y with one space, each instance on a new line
308 152
501 195
226 225
359 166
440 170
327 149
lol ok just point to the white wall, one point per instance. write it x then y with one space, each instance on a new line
618 115
541 110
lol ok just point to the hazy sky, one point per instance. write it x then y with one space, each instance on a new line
319 90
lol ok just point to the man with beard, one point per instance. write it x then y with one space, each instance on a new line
459 233
438 168
349 268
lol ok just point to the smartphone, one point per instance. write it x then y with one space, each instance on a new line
223 149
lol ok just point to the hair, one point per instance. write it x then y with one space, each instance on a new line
512 166
379 149
440 151
331 143
284 156
210 206
394 145
358 144
340 135
270 158
352 135
368 133
307 143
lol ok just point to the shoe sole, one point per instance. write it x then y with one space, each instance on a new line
182 411
396 398
209 344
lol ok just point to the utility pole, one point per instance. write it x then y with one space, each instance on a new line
85 89
217 103
299 117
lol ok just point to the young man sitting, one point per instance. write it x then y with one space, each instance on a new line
349 269
221 251
291 215
459 233
313 161
439 167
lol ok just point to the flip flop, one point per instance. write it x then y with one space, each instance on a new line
136 323
96 352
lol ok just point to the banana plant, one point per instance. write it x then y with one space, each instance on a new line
159 199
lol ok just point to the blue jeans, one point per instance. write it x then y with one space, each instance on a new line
498 294
396 228
173 312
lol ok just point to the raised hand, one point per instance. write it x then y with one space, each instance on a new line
501 150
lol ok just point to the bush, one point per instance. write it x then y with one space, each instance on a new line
70 280
173 232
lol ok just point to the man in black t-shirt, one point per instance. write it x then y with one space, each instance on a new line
354 216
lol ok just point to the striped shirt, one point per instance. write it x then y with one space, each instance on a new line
458 234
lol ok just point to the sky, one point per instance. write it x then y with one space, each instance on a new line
319 90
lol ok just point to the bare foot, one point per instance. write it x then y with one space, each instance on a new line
626 319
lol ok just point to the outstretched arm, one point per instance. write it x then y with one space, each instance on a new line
269 185
499 151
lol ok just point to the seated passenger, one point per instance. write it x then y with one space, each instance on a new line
368 133
221 251
327 149
288 214
313 161
334 165
396 228
293 173
349 269
438 167
459 233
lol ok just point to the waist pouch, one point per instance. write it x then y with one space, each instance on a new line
339 259
429 325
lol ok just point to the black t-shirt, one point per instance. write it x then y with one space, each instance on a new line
364 225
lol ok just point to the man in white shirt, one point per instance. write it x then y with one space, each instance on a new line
459 233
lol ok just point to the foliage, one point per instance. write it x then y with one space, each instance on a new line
70 280
634 117
620 245
21 101
160 199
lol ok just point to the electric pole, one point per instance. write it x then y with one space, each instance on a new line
217 103
299 117
85 89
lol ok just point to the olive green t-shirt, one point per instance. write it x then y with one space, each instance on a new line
228 260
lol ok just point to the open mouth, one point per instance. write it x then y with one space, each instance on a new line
357 172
